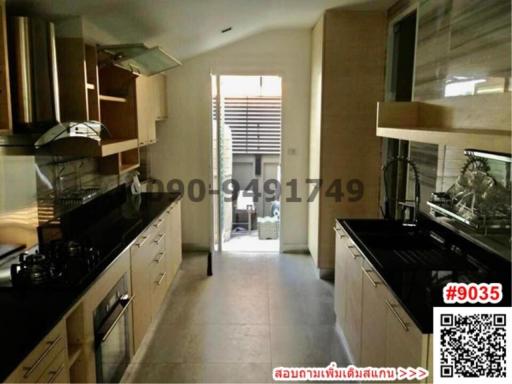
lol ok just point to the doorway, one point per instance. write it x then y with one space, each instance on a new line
246 162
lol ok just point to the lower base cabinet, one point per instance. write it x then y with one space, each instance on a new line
378 331
373 324
173 238
67 353
47 363
155 259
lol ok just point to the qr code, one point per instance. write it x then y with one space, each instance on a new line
470 345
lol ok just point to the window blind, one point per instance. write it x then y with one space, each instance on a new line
255 124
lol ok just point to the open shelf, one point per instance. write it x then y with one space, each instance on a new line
481 121
74 352
87 147
113 99
124 168
483 139
120 163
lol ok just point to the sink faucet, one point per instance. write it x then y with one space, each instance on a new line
410 208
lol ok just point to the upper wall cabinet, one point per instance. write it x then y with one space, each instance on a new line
5 107
151 106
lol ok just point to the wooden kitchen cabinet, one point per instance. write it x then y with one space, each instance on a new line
353 297
161 96
57 371
151 106
47 362
159 275
406 346
141 258
173 239
373 319
348 291
155 258
342 115
5 98
339 276
377 330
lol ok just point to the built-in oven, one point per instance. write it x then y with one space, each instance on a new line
112 332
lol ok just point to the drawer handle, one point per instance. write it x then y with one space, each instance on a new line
367 273
340 235
51 345
143 240
127 301
159 223
159 239
354 255
55 374
159 282
393 310
159 259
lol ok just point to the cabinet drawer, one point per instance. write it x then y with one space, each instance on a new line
40 358
158 263
57 371
159 224
143 242
159 285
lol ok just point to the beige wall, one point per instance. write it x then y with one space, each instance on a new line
183 148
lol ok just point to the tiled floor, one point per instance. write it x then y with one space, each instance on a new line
256 312
243 242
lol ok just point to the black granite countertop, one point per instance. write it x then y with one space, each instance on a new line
416 263
110 223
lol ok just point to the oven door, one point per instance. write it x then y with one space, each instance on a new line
113 342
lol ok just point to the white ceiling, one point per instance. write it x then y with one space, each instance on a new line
186 28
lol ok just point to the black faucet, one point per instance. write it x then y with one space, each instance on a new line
409 218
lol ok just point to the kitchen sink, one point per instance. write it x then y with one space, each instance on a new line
397 246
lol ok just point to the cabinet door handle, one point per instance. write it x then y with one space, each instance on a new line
393 310
51 345
159 239
143 240
158 223
367 273
162 276
159 259
354 255
340 235
55 374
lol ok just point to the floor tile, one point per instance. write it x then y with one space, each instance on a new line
229 344
204 373
302 344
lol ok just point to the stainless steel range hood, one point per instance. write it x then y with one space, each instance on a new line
139 59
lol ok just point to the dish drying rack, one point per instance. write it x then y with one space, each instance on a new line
462 203
76 194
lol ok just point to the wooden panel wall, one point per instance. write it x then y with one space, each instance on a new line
5 99
317 50
353 82
457 39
